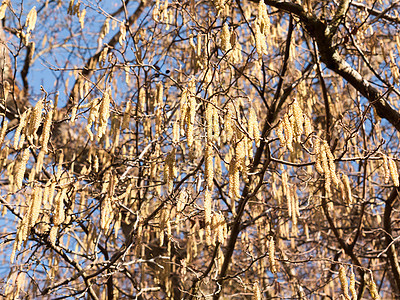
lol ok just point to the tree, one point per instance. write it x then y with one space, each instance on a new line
200 149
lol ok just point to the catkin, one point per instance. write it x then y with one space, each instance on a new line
343 282
308 129
331 162
21 126
347 189
373 289
3 132
59 212
34 209
142 99
175 132
225 38
228 124
234 180
220 226
271 255
159 94
318 162
208 214
122 30
386 169
263 18
209 120
82 15
279 133
209 168
104 114
287 125
20 168
298 118
35 119
127 116
3 9
256 291
393 172
191 118
215 124
352 286
253 129
170 170
31 20
44 138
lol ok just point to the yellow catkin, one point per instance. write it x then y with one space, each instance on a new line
104 114
225 38
21 126
386 169
191 114
74 111
209 168
122 30
347 188
295 206
31 20
175 132
287 125
343 282
44 139
170 170
271 256
317 151
298 118
3 132
3 9
373 289
209 120
53 234
228 124
331 162
127 116
216 123
219 225
263 18
253 128
82 15
256 291
142 99
279 133
308 129
20 169
352 286
93 115
236 179
35 119
208 214
34 209
261 43
159 94
59 212
393 172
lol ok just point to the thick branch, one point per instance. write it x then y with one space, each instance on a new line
329 55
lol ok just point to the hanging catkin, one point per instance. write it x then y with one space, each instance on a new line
209 168
44 139
343 282
104 114
19 169
393 172
271 255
